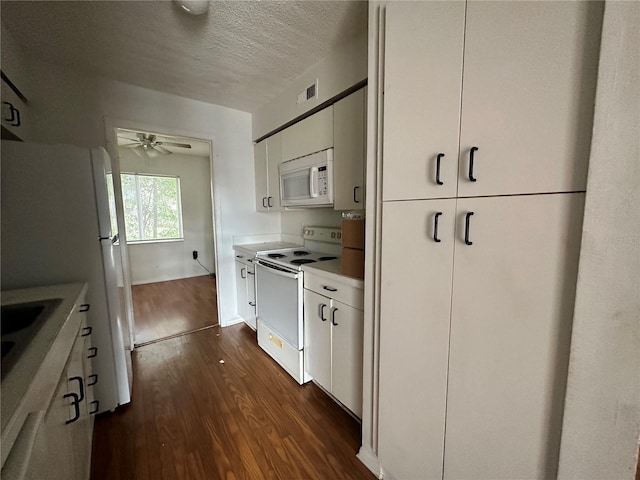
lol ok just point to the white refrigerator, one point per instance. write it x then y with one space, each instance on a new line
56 228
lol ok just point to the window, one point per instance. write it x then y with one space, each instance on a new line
152 207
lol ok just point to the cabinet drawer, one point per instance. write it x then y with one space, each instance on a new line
352 296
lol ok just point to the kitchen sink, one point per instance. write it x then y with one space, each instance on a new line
19 324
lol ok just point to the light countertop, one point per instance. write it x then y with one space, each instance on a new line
333 269
26 386
254 248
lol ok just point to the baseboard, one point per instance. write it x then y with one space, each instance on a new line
232 321
370 460
166 279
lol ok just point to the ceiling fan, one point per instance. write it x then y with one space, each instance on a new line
146 145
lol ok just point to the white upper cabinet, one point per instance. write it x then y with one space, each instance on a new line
308 136
504 96
422 85
260 171
528 96
274 158
349 140
267 155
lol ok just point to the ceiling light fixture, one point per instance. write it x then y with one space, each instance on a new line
194 7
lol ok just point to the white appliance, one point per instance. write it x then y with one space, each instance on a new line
307 181
56 228
245 276
280 298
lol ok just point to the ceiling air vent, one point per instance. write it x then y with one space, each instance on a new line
308 93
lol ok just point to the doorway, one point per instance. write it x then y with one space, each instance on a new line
162 200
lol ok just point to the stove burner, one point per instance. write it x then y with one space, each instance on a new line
300 253
302 261
322 259
276 255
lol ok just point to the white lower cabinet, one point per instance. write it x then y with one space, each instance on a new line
62 445
317 342
333 344
475 331
246 290
347 325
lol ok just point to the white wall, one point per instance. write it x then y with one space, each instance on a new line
342 69
602 407
161 261
71 107
292 221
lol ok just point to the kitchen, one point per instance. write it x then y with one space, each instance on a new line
87 102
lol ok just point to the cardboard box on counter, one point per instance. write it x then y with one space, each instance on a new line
353 262
353 233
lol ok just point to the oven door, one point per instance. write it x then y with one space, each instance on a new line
279 301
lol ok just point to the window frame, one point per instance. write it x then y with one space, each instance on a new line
137 176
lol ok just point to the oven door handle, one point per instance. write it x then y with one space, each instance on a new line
293 276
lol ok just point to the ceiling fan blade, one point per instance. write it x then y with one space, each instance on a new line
130 139
152 152
129 145
174 144
162 150
138 151
151 138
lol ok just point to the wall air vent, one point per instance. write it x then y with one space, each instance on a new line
308 93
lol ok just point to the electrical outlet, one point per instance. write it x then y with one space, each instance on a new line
195 254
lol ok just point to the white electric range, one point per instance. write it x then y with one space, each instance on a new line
280 299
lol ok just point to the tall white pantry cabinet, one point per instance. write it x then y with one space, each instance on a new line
486 115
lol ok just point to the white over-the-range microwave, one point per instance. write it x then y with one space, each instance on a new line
307 181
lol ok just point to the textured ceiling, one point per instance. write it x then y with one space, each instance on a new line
240 54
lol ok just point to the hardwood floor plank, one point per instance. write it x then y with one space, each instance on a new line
194 418
168 308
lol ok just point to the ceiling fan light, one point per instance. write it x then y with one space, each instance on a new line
194 7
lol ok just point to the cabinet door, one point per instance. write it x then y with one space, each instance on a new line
52 456
414 335
310 135
251 296
422 87
16 116
349 139
317 338
241 290
78 430
513 294
529 85
346 355
260 171
274 158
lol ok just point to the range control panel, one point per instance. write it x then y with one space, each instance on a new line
323 234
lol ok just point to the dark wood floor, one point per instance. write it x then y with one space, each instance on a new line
169 308
193 417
